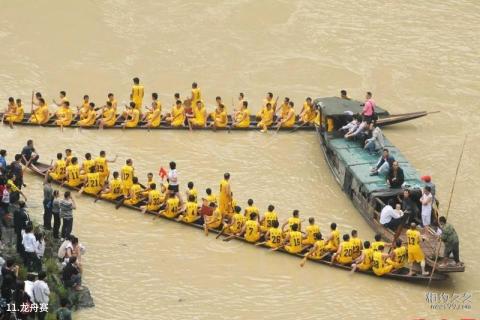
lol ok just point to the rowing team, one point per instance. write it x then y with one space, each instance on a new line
191 113
92 178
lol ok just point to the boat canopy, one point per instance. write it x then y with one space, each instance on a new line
332 106
360 162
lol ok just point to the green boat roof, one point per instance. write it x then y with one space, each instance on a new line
337 106
360 163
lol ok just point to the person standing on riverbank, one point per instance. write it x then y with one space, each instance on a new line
67 205
47 203
41 294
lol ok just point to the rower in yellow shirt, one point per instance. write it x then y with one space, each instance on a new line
274 235
267 118
190 215
59 169
154 116
318 251
64 115
177 116
287 116
312 229
379 266
134 194
40 114
172 208
333 241
199 119
11 111
210 197
415 252
294 219
268 99
220 120
74 179
344 252
293 240
251 230
308 113
357 244
101 165
109 116
17 116
196 94
236 223
87 163
365 261
378 242
268 217
242 117
137 94
251 208
63 98
91 182
90 116
154 199
225 195
132 117
398 257
191 191
84 109
126 173
113 101
114 190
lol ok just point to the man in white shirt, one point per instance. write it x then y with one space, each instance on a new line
426 201
30 244
41 293
29 285
389 217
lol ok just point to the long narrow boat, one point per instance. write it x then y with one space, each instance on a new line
350 165
385 120
40 169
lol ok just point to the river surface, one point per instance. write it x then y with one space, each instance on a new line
413 55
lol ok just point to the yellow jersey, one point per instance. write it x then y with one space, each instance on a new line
335 241
87 164
60 169
154 200
93 183
101 165
267 117
413 238
196 96
199 115
346 253
137 95
73 175
295 244
132 120
249 210
400 257
319 249
191 212
134 194
378 262
269 217
127 175
192 192
244 117
274 237
115 187
311 231
292 221
367 258
377 244
221 119
238 220
357 247
171 210
252 232
178 116
211 198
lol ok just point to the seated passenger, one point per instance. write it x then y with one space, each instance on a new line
293 240
251 229
376 142
389 217
395 176
318 251
383 165
351 126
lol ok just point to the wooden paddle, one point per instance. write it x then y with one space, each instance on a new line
221 232
277 248
232 237
448 209
304 260
300 126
